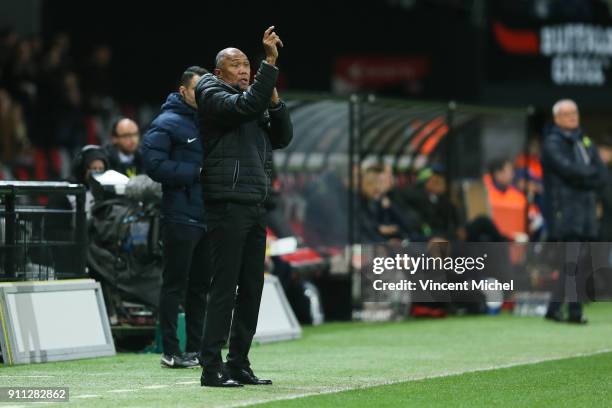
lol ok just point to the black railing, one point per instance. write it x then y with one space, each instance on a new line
39 239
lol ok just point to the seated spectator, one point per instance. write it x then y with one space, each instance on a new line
508 204
90 160
379 219
326 219
437 216
123 151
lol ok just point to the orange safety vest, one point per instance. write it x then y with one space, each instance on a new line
507 208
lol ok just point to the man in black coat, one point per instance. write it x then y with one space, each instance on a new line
573 175
427 203
240 125
172 155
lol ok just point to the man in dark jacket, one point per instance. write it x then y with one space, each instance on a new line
240 125
428 203
123 152
573 174
173 156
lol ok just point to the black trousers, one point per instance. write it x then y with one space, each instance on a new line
237 235
186 278
573 285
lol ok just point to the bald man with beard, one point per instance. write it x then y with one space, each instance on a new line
240 125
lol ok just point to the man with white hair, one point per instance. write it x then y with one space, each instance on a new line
573 173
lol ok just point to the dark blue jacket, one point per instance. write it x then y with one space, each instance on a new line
172 154
573 174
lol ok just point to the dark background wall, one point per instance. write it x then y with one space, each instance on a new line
152 42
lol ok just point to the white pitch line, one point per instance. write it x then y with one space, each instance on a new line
121 391
187 382
154 387
336 390
87 396
27 376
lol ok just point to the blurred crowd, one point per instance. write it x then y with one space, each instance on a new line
51 104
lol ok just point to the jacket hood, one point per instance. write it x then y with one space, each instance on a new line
174 103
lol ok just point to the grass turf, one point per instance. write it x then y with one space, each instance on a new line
573 382
341 356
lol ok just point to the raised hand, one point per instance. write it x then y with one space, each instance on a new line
271 41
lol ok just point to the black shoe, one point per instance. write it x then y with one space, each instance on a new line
555 316
217 379
577 320
245 376
186 360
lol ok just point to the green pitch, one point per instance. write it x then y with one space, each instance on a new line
573 382
463 361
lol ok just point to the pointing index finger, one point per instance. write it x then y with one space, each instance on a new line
269 30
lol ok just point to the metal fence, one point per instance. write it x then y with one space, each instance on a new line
43 231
